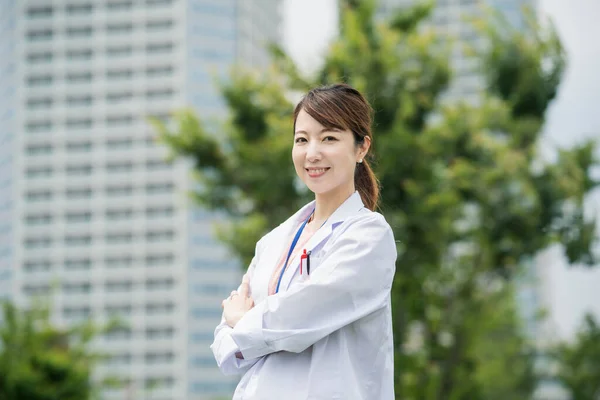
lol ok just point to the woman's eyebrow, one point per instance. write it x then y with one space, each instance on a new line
332 129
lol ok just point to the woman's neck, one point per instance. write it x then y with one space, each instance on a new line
327 203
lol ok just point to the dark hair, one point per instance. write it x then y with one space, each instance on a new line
340 106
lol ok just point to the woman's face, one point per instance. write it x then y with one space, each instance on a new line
325 159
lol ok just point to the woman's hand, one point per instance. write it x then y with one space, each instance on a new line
237 304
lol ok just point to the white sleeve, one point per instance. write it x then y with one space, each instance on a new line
353 280
223 346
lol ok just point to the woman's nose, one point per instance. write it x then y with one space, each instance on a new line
313 151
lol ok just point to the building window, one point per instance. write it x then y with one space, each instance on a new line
118 97
159 357
119 215
118 310
36 289
37 242
75 101
38 149
159 308
119 144
203 362
79 193
79 123
79 77
40 103
41 35
211 289
159 259
159 48
162 382
79 170
78 240
78 264
159 94
40 12
77 312
119 359
38 219
155 212
77 288
119 74
204 312
39 126
157 26
119 190
119 334
79 9
160 333
157 188
79 31
156 3
118 286
120 167
119 29
119 120
118 262
199 337
155 72
40 58
159 284
38 195
119 5
120 51
37 266
119 238
82 54
79 147
39 80
78 216
39 172
160 236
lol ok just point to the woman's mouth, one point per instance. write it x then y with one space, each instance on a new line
316 172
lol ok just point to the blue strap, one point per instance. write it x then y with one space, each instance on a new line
294 242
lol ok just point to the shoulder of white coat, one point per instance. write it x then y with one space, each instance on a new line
367 220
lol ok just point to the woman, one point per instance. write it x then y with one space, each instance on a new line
312 318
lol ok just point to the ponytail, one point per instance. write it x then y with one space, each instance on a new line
367 185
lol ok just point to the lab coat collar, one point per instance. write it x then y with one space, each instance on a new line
348 208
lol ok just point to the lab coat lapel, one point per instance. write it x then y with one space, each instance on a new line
349 208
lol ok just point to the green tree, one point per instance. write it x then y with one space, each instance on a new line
578 362
41 362
464 186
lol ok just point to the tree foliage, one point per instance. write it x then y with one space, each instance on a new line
578 362
39 361
464 185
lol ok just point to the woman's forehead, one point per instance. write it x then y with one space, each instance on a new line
308 124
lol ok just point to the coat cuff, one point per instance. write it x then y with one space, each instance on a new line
248 334
224 350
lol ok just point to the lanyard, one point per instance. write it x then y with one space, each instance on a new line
294 242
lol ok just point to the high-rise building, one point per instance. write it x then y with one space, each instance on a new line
90 213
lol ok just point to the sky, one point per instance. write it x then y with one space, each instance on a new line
574 115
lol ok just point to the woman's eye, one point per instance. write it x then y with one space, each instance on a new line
329 138
300 140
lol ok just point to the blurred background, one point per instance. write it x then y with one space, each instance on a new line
120 221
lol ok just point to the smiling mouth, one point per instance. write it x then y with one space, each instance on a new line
316 172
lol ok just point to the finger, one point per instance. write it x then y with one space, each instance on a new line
245 287
233 293
223 304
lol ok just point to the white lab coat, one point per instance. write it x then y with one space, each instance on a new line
328 336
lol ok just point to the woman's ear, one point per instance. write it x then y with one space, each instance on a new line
364 147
